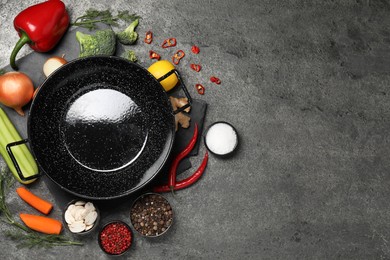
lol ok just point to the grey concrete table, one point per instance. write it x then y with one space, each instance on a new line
306 83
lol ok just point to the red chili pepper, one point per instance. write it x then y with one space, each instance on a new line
148 37
196 67
180 156
215 80
187 181
195 49
178 56
41 26
200 89
170 42
154 55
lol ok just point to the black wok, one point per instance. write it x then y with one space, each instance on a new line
101 127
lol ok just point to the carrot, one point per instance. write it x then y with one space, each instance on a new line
34 201
41 224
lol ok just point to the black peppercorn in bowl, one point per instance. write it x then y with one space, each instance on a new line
151 215
115 238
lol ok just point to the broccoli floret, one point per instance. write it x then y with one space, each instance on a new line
128 36
130 55
103 42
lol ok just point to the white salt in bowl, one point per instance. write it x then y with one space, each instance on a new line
221 139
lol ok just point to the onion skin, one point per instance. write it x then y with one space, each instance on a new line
16 90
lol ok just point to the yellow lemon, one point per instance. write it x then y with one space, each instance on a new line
159 69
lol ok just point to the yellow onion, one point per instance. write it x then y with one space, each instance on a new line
52 64
16 90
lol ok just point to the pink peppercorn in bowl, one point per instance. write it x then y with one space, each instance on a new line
221 139
115 238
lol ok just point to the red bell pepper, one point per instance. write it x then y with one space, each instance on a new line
41 26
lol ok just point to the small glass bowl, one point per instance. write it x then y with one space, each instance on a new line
151 215
82 233
221 139
116 230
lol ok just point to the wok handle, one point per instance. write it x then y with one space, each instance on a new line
15 162
182 85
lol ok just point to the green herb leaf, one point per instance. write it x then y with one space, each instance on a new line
93 16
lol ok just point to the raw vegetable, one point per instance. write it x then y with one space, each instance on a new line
215 80
52 64
154 55
170 42
200 89
196 67
42 224
181 118
187 181
80 216
103 42
16 90
34 201
181 156
92 17
41 26
178 56
129 35
25 236
130 55
195 49
148 37
24 158
159 69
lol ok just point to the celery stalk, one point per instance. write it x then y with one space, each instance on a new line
9 134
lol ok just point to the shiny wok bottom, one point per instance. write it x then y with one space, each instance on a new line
101 127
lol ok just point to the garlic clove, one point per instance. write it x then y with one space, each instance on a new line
90 206
68 217
80 213
77 227
91 218
80 203
88 227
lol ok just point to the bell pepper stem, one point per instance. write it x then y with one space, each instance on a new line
22 41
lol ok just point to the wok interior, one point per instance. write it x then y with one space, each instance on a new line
101 127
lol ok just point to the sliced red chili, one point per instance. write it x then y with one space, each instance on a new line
187 181
195 49
215 80
154 55
148 37
170 42
178 56
200 89
179 157
196 67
